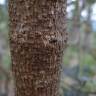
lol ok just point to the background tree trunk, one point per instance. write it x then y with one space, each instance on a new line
37 41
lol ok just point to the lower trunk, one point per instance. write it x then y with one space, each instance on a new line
37 41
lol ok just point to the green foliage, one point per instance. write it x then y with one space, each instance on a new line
91 1
69 53
88 60
7 61
90 86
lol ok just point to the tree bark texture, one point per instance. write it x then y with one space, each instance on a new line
37 41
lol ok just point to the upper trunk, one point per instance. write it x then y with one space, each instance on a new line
37 40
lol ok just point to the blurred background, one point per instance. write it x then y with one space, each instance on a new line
78 76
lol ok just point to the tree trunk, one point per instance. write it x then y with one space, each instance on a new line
37 41
75 29
88 31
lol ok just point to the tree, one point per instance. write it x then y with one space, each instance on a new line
88 27
37 41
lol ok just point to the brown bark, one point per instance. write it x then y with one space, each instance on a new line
37 41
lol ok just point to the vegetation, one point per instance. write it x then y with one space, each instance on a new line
78 76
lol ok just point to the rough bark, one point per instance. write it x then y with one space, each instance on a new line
37 41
